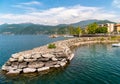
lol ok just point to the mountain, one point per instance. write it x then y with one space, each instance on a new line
30 28
104 21
86 22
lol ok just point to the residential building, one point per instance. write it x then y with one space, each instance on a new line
117 28
110 27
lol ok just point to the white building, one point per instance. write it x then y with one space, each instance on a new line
110 27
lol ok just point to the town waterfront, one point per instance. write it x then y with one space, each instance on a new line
93 64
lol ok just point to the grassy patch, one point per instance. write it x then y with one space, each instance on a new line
102 39
115 37
51 46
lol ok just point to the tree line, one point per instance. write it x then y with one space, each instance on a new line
93 28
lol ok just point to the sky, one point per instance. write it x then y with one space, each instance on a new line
54 12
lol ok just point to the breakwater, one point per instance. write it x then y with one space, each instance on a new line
42 58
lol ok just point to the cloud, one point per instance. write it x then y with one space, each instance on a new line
28 6
31 3
116 3
25 8
60 15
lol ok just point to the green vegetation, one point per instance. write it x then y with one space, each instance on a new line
91 29
101 30
102 39
75 30
51 46
95 29
115 38
78 31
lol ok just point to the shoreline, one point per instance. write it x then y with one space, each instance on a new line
41 58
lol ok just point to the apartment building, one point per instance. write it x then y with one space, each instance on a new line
111 27
117 28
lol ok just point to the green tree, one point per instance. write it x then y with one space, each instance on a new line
101 30
78 31
91 28
71 30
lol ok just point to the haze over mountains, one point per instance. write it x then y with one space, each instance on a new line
30 28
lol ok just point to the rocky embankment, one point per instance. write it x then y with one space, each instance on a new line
42 58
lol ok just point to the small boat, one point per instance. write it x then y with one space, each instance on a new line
53 36
116 45
68 36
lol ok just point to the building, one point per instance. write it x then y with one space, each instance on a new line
112 27
117 28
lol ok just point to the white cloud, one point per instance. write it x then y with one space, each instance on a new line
60 15
28 6
116 3
32 3
25 8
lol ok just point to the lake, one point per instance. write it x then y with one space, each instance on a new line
92 64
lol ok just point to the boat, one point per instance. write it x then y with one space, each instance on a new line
116 45
68 36
53 36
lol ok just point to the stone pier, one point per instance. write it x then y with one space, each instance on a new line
42 58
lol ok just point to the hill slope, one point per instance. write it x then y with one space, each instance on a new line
86 22
30 28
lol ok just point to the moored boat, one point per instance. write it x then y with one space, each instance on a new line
68 36
116 45
53 36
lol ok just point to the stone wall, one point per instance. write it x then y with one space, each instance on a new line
41 58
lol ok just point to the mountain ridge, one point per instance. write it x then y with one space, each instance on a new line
31 28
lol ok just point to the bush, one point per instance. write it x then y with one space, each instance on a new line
102 39
115 37
51 46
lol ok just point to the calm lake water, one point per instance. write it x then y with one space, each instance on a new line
92 64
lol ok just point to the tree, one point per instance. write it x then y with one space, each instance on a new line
75 30
101 30
78 31
71 30
91 28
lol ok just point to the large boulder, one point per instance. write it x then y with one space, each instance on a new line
50 64
15 64
29 60
43 69
16 56
61 55
11 72
44 59
20 59
12 59
36 56
22 65
27 56
71 57
48 55
8 68
56 66
8 63
35 64
29 70
62 63
54 59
